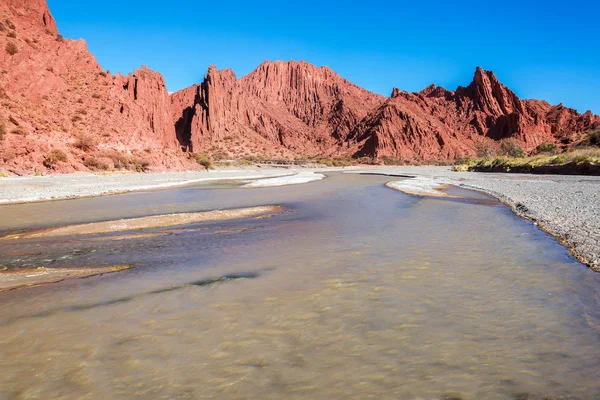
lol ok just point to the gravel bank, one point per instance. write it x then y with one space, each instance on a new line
565 206
52 187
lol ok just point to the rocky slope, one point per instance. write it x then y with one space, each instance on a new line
284 109
438 124
61 112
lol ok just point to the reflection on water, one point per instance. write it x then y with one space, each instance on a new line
360 292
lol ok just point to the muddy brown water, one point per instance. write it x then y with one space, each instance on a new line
357 292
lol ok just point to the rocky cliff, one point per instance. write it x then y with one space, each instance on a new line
439 124
284 109
61 112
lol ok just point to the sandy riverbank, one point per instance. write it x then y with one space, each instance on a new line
53 187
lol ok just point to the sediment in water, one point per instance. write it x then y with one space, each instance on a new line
19 278
155 221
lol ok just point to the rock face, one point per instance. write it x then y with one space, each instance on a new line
55 97
280 109
296 109
438 124
60 112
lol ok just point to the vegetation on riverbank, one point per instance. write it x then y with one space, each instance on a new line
581 158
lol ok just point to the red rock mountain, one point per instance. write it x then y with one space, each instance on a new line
295 109
280 109
61 112
54 95
439 124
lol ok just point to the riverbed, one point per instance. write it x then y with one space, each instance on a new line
353 290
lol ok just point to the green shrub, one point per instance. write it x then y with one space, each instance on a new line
11 48
54 157
546 148
594 137
203 160
512 148
560 159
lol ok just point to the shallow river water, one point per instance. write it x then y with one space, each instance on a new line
357 291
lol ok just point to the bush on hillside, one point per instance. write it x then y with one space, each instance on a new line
54 157
594 137
203 160
85 143
485 148
512 148
11 48
546 148
95 164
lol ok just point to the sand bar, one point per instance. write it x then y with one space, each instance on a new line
155 221
14 279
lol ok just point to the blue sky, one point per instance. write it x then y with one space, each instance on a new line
547 50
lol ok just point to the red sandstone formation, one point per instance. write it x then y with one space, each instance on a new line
438 124
60 112
55 96
280 109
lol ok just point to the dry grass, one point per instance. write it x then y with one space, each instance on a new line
85 143
54 157
131 163
19 130
511 148
578 158
95 164
485 147
204 160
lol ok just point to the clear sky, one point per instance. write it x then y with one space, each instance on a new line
540 49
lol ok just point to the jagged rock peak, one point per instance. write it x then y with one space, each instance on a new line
491 96
33 13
